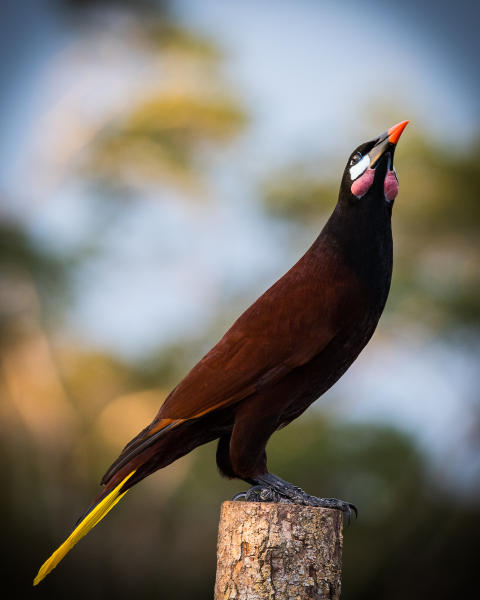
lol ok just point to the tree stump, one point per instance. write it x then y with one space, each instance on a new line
270 551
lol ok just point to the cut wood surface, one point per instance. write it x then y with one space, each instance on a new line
269 551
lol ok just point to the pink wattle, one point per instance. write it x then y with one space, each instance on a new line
361 185
390 187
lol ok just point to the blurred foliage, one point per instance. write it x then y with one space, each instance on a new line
18 252
140 6
165 132
168 37
169 521
66 411
436 224
24 263
161 137
298 194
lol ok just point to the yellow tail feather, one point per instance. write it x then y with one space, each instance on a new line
88 523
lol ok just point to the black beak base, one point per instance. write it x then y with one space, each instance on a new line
382 147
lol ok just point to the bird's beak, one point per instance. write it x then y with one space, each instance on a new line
386 143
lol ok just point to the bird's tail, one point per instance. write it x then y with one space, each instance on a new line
119 478
94 515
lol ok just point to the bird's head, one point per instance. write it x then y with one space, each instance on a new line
370 174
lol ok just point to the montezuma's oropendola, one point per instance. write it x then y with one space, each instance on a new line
281 354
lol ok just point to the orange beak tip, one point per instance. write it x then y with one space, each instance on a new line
395 132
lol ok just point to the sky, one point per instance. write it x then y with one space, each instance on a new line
309 68
303 79
309 73
307 88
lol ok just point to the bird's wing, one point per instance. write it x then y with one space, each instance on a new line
270 339
285 328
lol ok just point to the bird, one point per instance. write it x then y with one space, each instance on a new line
286 350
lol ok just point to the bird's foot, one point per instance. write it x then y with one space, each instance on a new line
271 488
261 493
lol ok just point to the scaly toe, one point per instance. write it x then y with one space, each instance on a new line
260 493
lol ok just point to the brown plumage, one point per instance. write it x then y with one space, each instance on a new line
248 377
287 348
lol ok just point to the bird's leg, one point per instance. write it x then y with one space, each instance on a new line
254 424
270 488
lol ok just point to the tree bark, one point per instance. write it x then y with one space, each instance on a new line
270 551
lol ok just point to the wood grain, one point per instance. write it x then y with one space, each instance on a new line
270 551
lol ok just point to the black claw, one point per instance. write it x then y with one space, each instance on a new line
271 488
348 510
240 496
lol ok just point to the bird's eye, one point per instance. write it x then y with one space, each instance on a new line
355 159
357 167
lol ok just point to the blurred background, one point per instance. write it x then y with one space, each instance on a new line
162 164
